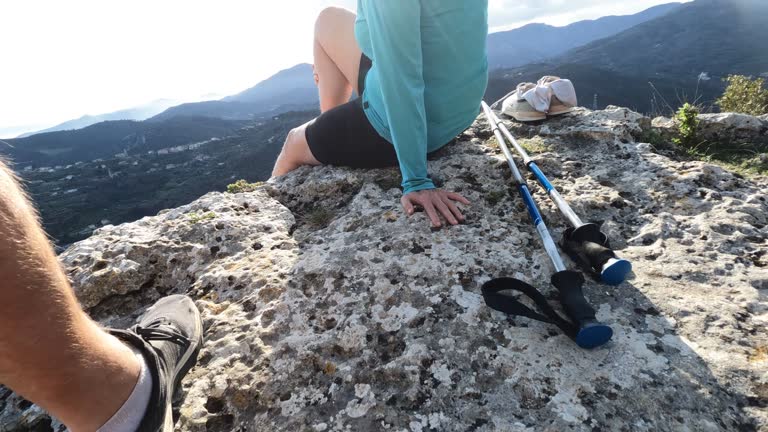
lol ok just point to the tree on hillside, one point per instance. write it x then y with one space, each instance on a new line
744 95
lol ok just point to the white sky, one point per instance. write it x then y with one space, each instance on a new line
61 59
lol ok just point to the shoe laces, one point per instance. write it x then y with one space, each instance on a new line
161 330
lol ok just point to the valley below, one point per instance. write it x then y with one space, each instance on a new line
77 198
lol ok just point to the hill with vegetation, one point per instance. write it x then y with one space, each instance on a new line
75 199
537 42
659 64
107 139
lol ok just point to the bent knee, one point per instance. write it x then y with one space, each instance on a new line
293 140
329 18
296 147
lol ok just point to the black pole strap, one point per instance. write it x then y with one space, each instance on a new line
496 298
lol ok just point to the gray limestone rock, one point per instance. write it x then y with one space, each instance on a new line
327 309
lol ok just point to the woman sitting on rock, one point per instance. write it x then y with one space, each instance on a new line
421 69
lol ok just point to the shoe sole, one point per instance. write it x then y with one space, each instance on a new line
560 112
528 118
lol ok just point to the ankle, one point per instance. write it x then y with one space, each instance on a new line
103 384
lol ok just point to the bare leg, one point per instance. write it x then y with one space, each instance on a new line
50 351
295 152
337 57
337 66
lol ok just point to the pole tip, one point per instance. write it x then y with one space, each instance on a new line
615 271
593 335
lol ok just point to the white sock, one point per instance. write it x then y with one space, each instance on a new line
130 415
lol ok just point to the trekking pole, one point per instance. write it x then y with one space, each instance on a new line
585 329
584 242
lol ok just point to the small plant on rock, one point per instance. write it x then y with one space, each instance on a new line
534 145
744 95
241 186
687 119
196 217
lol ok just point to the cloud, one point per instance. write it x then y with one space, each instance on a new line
510 13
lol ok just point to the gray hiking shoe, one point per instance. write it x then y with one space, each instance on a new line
170 335
563 95
517 107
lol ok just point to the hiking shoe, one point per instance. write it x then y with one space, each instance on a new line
169 335
519 108
562 95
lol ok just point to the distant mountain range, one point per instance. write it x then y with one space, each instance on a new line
656 66
287 90
142 112
537 42
714 36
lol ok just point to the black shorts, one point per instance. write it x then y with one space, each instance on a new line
343 136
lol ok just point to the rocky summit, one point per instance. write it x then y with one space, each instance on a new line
327 309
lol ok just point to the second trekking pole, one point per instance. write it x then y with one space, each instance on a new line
584 242
585 329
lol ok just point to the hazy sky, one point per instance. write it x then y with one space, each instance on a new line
61 59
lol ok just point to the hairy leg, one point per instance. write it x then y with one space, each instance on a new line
295 152
50 351
337 57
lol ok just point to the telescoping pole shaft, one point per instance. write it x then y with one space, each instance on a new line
588 333
566 209
533 211
612 269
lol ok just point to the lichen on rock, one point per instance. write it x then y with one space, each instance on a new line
371 321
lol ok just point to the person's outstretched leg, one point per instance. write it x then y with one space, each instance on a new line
50 351
337 57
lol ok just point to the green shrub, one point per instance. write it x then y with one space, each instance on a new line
744 95
241 186
687 119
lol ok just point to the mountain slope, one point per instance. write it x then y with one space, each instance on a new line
537 42
719 37
714 36
106 139
293 85
74 197
139 113
286 90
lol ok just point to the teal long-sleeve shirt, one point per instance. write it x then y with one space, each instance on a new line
429 74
